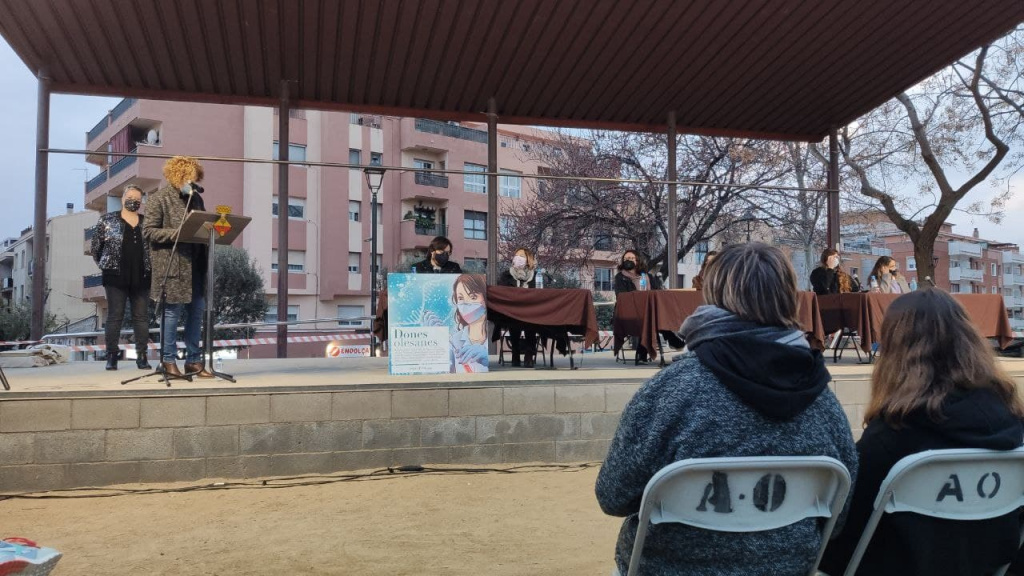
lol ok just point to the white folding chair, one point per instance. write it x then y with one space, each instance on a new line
955 484
744 494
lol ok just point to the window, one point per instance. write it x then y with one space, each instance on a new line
271 316
423 164
296 152
353 262
475 265
505 226
603 279
912 264
511 186
296 260
994 271
353 210
954 288
350 311
476 183
475 225
376 159
994 289
701 252
355 156
296 207
602 241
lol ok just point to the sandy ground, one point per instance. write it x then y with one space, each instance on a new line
531 522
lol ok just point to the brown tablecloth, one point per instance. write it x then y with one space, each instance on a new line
864 312
646 314
571 310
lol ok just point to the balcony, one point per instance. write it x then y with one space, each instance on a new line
96 181
123 163
1010 279
430 179
1013 301
92 288
960 273
88 234
1017 324
109 119
416 237
431 230
964 249
365 120
450 130
7 285
1013 258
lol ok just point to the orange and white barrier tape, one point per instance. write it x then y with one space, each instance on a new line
238 342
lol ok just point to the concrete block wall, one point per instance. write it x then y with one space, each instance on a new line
62 443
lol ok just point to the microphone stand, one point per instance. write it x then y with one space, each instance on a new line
162 305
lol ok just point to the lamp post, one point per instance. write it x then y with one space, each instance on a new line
750 218
374 178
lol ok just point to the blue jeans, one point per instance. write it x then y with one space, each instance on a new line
193 314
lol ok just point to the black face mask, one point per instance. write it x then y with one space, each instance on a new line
441 258
132 205
628 265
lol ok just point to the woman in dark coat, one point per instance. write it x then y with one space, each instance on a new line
632 276
937 386
830 278
123 255
522 274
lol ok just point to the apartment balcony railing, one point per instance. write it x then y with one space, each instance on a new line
121 107
365 120
98 128
92 281
450 130
961 273
89 233
1013 301
964 249
109 119
123 163
429 179
96 181
432 230
1017 323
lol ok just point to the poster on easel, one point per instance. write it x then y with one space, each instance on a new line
437 323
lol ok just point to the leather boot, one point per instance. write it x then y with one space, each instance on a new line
112 360
197 369
171 368
141 360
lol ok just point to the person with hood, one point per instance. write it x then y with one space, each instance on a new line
748 385
937 386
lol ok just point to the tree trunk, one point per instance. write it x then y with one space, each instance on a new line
924 248
809 264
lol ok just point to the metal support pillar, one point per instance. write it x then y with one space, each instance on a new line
492 192
673 213
833 189
373 265
39 220
282 220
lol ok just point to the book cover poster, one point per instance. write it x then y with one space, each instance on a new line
437 323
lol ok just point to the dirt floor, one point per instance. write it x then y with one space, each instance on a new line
539 521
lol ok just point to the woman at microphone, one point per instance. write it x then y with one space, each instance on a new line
888 277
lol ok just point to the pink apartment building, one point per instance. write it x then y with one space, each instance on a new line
329 231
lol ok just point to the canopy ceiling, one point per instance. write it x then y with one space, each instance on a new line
787 69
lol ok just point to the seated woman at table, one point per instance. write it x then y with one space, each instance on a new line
633 274
522 274
938 386
469 341
698 280
888 276
438 260
830 278
749 385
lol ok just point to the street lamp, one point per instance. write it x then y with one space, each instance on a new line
374 178
750 218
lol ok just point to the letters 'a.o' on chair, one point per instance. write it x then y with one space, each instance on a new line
956 484
744 494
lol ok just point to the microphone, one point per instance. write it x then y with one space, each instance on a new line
193 187
928 279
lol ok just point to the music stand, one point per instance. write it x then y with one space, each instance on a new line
198 229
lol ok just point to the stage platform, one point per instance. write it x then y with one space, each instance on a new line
75 425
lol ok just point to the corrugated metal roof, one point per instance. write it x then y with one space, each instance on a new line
768 68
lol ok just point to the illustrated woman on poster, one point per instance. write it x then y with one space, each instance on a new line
469 341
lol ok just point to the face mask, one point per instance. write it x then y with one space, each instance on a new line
833 262
441 258
628 265
519 262
471 311
132 205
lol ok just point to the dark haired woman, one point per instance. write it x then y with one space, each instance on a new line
469 341
522 274
633 274
830 278
123 255
887 274
937 386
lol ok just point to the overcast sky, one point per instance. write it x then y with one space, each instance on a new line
72 116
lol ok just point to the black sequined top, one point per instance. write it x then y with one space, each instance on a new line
132 272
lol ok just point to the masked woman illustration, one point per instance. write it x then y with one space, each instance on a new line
469 341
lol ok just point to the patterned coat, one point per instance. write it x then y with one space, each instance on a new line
107 240
164 211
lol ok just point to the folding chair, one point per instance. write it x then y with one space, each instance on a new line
846 336
956 484
771 492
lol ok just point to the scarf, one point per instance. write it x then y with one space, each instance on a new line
522 275
633 277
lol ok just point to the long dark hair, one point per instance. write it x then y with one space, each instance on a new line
931 349
845 284
639 260
475 284
882 264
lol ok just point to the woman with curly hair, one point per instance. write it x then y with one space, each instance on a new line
830 278
185 270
